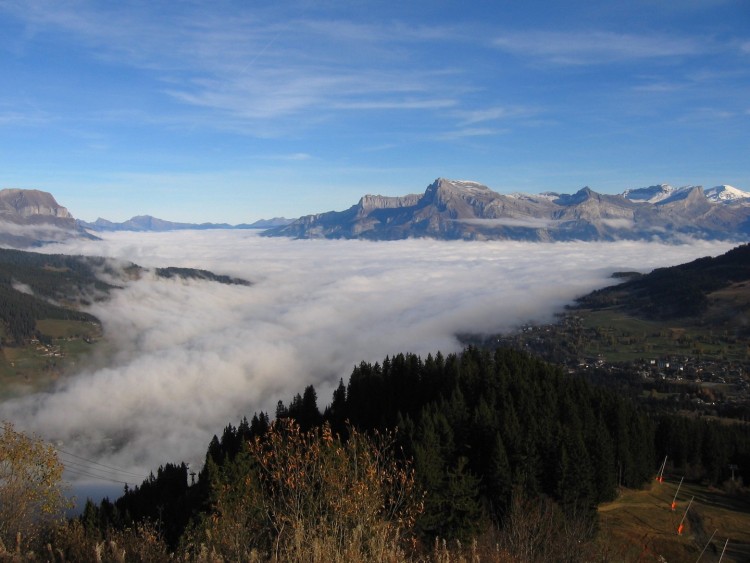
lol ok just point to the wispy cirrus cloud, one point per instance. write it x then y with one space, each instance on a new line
260 67
707 114
468 132
293 157
21 119
597 47
659 87
397 104
496 113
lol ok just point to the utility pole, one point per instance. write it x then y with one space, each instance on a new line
733 468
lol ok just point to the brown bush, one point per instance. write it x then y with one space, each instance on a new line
32 499
310 496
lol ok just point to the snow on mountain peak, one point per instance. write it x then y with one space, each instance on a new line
651 194
725 193
469 185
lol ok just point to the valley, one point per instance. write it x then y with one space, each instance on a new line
678 345
174 331
358 282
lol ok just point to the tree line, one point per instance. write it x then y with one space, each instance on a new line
473 445
480 429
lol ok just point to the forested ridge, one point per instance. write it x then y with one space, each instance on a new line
676 291
45 286
36 286
480 431
197 274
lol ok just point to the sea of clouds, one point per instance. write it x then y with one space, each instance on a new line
182 359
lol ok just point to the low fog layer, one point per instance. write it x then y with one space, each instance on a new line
188 357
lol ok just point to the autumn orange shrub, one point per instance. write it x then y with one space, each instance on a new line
311 496
32 498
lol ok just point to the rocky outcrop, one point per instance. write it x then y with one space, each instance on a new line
31 218
15 203
369 202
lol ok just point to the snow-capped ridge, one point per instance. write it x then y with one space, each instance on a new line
461 209
725 193
664 193
651 194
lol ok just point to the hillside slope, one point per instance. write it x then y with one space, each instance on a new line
679 291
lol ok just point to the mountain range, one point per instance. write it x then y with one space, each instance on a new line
451 209
448 209
147 223
30 218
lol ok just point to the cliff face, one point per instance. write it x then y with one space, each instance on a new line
451 209
32 218
370 202
28 203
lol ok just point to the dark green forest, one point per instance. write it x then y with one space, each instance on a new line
479 429
677 291
196 274
37 286
56 278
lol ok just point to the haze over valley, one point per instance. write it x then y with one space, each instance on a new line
184 357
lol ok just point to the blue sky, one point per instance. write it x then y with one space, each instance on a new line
234 111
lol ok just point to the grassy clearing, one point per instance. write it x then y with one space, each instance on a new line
719 333
55 328
622 337
36 366
641 526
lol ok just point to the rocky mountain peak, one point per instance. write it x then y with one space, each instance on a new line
33 217
690 194
458 187
577 198
369 202
725 194
28 203
651 194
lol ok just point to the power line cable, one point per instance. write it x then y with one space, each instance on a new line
84 467
90 475
91 461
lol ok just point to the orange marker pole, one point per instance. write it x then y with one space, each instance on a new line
674 500
723 550
682 522
707 544
660 476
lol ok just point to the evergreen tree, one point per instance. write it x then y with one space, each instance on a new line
498 479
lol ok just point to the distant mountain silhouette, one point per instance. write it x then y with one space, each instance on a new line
147 223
